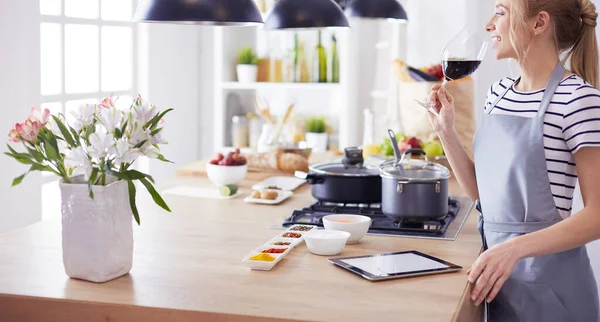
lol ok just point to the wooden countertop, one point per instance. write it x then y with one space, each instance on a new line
187 267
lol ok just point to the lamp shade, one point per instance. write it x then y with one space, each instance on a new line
304 14
209 12
375 9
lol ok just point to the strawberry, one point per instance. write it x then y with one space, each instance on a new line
436 70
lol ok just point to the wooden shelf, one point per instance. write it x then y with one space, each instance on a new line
280 86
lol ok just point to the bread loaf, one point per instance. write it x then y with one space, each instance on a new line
291 162
277 160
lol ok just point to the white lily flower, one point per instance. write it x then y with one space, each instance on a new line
124 153
158 139
138 134
149 150
101 142
78 159
143 113
83 116
111 118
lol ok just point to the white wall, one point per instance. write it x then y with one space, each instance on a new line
20 91
169 67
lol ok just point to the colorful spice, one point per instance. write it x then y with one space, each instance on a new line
302 228
292 235
263 257
274 250
281 243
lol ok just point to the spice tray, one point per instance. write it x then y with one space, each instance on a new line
272 252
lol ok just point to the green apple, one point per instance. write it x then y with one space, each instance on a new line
433 149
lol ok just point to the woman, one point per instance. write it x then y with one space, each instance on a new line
539 133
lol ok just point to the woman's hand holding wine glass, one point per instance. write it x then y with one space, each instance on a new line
443 103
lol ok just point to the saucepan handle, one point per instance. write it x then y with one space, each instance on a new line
310 178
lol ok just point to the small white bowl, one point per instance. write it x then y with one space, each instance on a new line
222 175
326 242
356 225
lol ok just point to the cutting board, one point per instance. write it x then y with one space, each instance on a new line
198 168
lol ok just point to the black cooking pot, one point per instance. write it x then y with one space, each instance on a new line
416 189
348 181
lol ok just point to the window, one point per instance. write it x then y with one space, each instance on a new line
87 52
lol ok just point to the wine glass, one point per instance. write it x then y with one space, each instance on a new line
461 58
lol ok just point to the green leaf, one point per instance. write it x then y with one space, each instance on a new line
134 210
11 149
65 132
162 158
38 156
156 119
118 133
93 178
124 126
51 150
155 132
21 159
155 196
139 145
40 167
19 179
75 135
136 175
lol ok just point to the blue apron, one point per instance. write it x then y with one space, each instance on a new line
515 199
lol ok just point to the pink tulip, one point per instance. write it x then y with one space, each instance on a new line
28 130
13 135
38 116
107 102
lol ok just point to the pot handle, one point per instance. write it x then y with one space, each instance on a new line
310 178
413 150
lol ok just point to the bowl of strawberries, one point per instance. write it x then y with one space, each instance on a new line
227 169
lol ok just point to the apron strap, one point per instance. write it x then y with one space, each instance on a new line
555 79
489 110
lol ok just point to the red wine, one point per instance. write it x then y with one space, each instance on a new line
457 69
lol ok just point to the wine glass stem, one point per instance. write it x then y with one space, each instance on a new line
444 82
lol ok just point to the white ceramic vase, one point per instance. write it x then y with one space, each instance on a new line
247 73
97 234
317 141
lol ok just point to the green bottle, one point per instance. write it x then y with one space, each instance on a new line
335 62
320 63
295 72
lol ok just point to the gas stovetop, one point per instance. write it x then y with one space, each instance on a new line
446 228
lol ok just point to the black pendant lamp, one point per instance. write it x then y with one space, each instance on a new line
204 12
306 14
375 9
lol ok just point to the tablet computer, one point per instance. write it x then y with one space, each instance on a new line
395 265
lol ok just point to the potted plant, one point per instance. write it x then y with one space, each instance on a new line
247 69
316 135
93 155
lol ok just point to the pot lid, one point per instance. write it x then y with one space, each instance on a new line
414 170
340 169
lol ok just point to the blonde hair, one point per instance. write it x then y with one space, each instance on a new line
574 23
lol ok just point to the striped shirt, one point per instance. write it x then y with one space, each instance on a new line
571 122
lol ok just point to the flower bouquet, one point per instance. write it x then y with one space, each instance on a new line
94 153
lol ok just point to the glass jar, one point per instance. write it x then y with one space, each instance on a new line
239 131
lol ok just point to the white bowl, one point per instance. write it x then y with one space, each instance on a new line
222 175
326 242
356 225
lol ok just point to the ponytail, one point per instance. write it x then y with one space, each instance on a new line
584 55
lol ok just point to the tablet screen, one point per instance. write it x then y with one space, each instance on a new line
394 264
